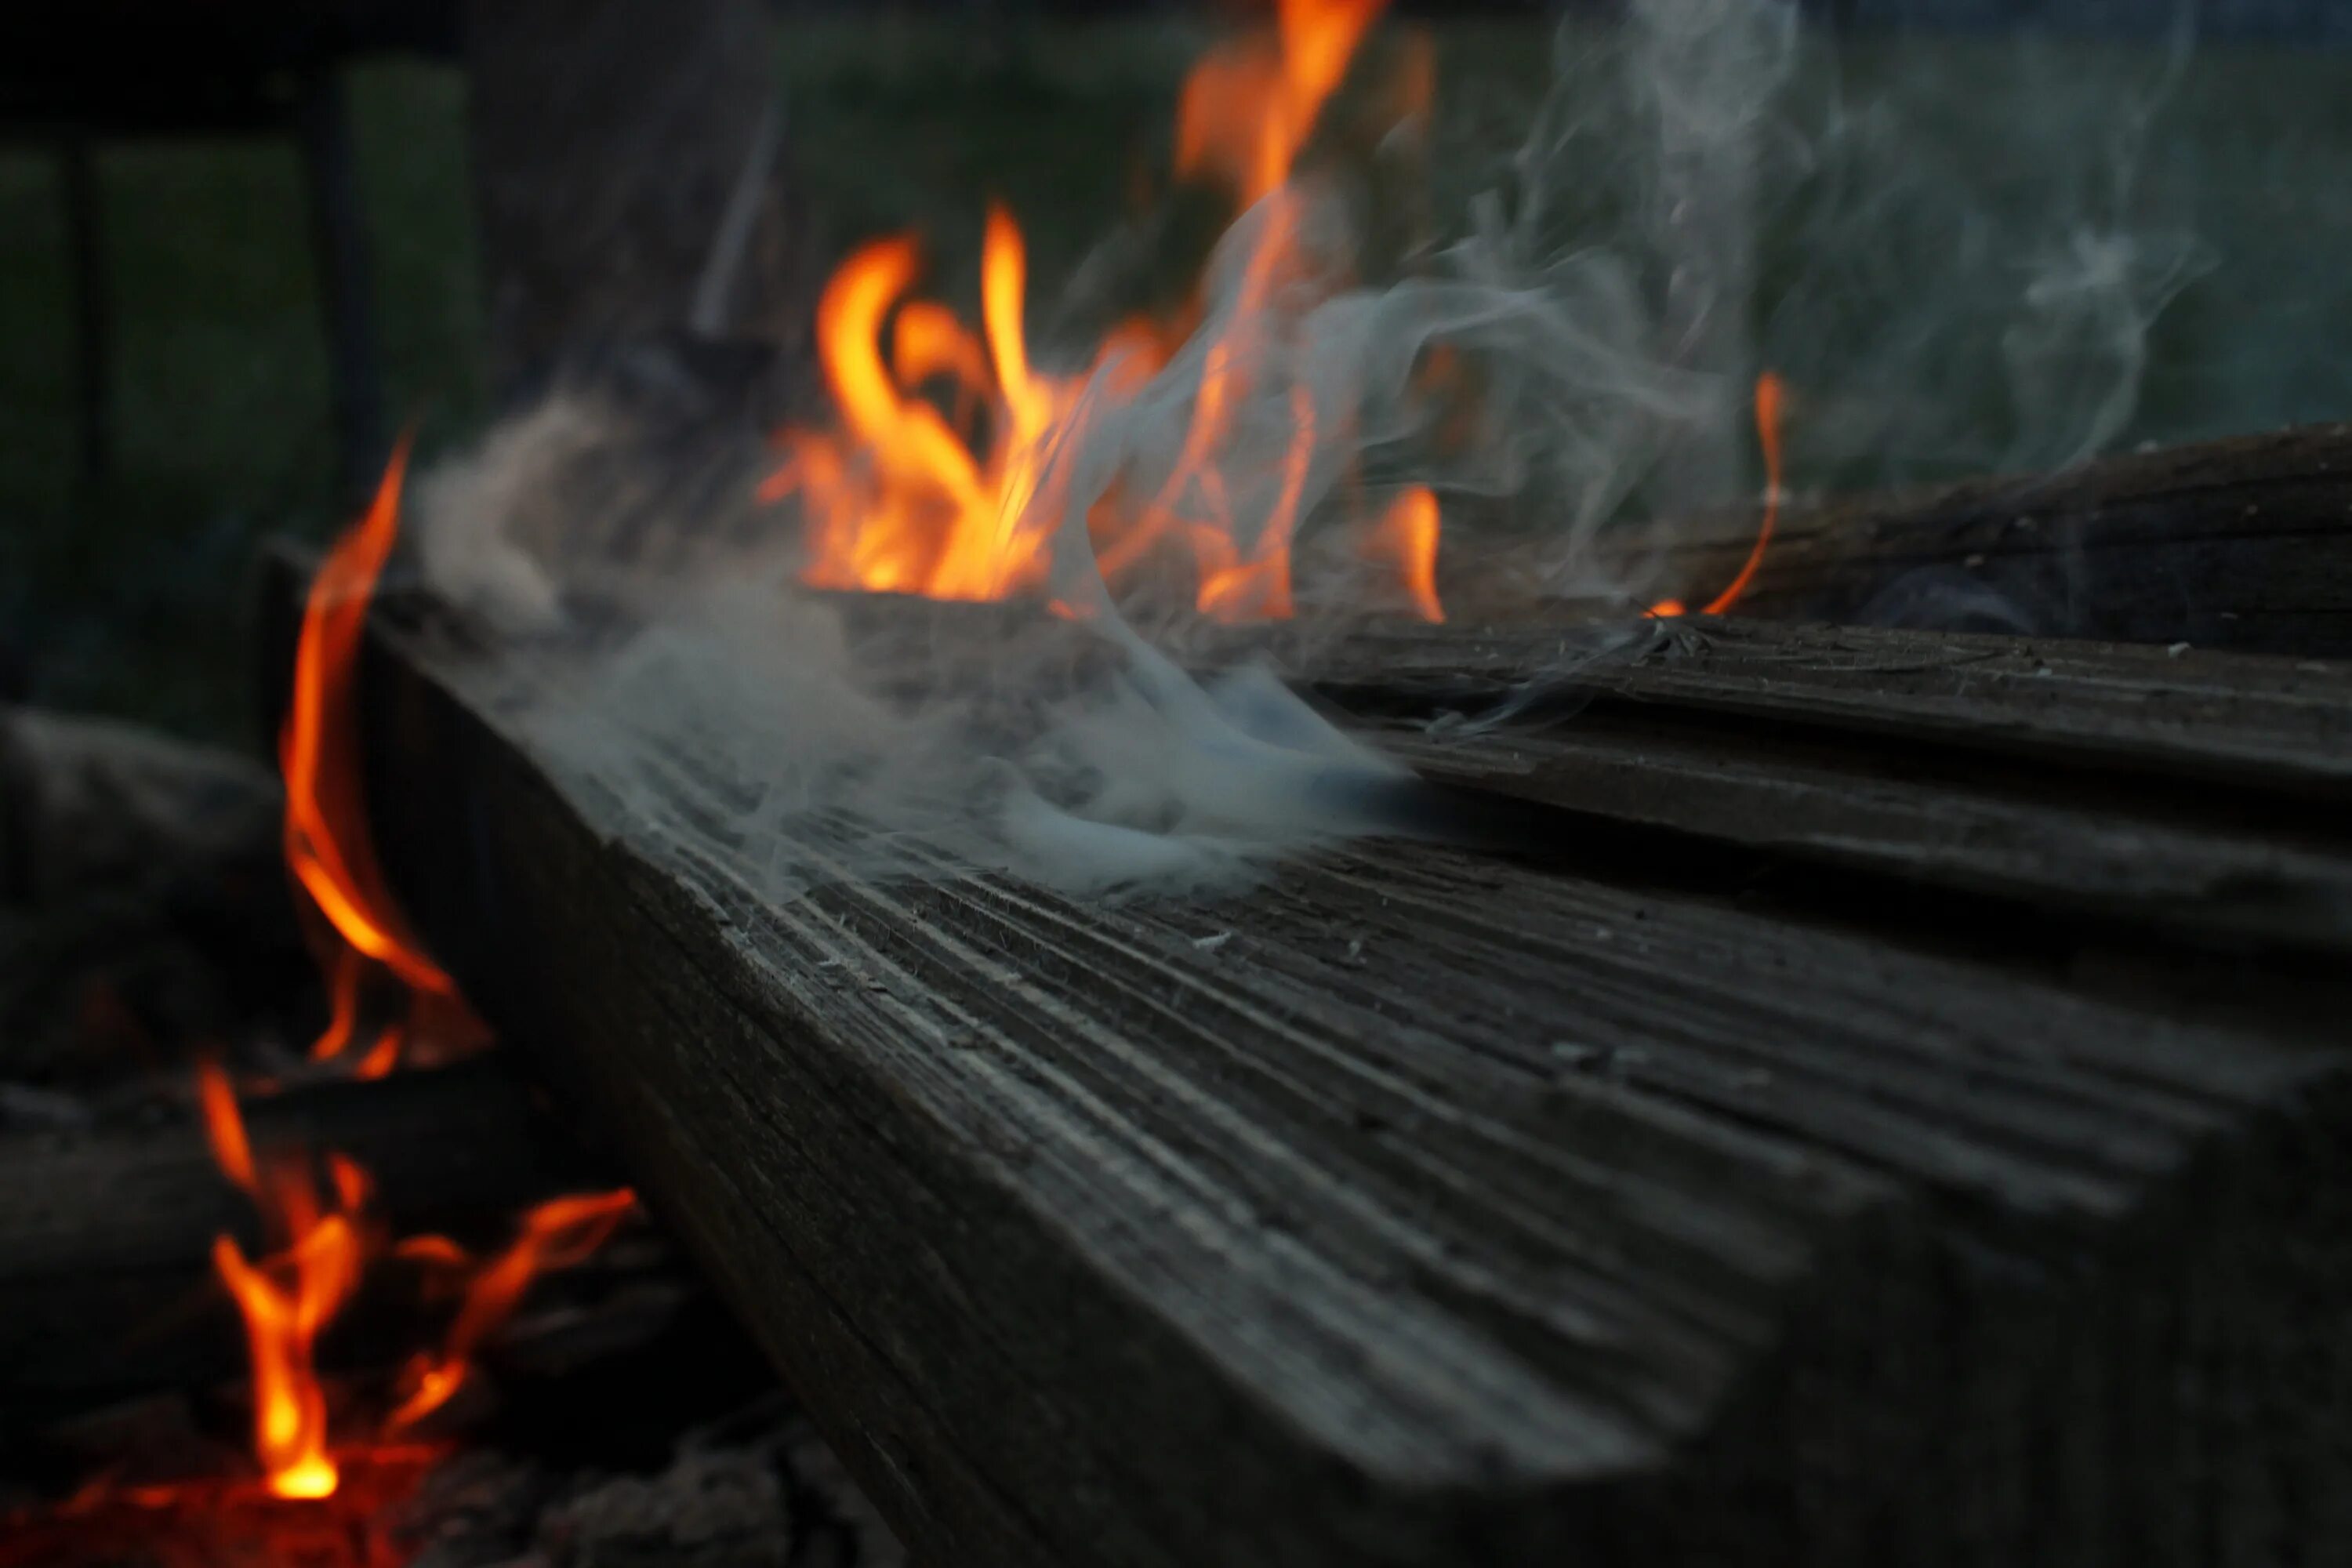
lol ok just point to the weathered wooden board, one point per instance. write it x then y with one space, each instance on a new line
2205 794
2280 726
2242 543
1427 1208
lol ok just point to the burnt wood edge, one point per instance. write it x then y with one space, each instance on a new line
1976 706
896 1445
2243 544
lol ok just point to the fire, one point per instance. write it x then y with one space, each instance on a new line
903 498
562 1233
327 844
287 1296
1769 394
324 1242
320 1238
1244 114
1408 536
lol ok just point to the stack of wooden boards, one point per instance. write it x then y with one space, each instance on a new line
1850 1096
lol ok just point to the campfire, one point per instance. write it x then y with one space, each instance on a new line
1352 912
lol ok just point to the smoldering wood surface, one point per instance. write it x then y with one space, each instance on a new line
2242 543
106 1280
1431 1205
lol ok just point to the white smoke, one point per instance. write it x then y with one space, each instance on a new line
1612 298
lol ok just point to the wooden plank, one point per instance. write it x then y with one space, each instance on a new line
2282 726
2198 863
2243 544
1423 1207
106 1281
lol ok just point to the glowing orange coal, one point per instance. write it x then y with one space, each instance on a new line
962 502
1769 392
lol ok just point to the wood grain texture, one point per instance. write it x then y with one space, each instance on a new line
2280 726
1427 1208
2243 544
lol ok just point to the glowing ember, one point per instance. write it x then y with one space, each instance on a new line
1769 394
203 1524
903 498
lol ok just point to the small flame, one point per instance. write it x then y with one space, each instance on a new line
1408 536
902 497
1769 392
558 1234
289 1295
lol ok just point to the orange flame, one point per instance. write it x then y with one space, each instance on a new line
287 1297
901 498
1408 535
327 843
1769 392
558 1234
1245 115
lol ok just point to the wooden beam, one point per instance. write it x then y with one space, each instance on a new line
2243 544
1427 1208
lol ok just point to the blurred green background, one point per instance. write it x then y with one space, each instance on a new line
124 591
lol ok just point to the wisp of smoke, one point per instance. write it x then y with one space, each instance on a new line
1607 300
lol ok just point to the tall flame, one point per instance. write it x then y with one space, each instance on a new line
321 1243
1246 115
902 497
327 843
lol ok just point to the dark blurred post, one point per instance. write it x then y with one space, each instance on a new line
628 173
85 241
339 228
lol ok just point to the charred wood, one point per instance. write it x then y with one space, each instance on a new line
1426 1207
2240 543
